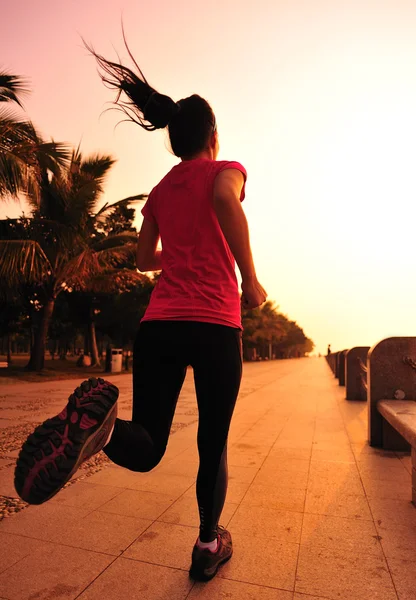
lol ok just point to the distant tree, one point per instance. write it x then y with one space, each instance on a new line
268 332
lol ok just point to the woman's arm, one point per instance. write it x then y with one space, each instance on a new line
148 258
227 191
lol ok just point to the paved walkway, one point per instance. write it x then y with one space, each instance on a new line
314 512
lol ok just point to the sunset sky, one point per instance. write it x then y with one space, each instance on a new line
317 98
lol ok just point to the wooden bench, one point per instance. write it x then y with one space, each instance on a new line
391 393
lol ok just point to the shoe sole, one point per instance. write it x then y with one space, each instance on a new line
197 575
55 450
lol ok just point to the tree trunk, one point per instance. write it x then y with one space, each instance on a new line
92 343
9 349
37 356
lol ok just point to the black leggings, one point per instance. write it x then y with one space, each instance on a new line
162 352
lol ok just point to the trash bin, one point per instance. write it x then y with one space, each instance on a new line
116 360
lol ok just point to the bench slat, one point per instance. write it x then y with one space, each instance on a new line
401 414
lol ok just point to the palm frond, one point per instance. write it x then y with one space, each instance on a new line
113 241
22 261
12 87
102 214
89 264
114 281
25 157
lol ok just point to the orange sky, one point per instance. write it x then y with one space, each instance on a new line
316 98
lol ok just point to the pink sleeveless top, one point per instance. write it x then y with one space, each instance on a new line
198 280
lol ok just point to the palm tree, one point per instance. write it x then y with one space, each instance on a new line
69 253
24 156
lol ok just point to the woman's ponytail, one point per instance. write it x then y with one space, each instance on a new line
144 105
191 121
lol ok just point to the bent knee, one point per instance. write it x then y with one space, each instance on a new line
147 465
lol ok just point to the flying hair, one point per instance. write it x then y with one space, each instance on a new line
144 105
190 121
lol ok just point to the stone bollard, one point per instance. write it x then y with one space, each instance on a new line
355 377
341 367
332 362
389 371
336 373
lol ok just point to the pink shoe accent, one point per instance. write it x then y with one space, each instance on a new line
62 415
86 422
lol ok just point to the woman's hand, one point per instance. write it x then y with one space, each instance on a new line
253 293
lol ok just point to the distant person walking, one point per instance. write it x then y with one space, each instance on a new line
194 318
329 349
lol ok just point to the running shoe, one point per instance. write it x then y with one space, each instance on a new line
55 450
205 563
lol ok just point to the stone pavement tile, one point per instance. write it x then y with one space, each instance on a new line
279 498
290 453
42 522
298 596
387 489
13 548
254 437
165 544
295 443
330 469
341 575
116 477
286 463
336 533
331 446
394 474
336 455
164 483
52 571
102 532
180 466
133 503
337 484
265 522
377 459
132 580
398 541
270 476
87 496
226 589
242 474
403 573
406 461
189 453
185 512
331 502
389 513
269 562
244 459
255 448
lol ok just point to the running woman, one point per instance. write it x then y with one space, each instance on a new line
193 319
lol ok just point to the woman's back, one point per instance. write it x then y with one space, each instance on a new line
198 280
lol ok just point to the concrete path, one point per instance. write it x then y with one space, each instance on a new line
314 512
